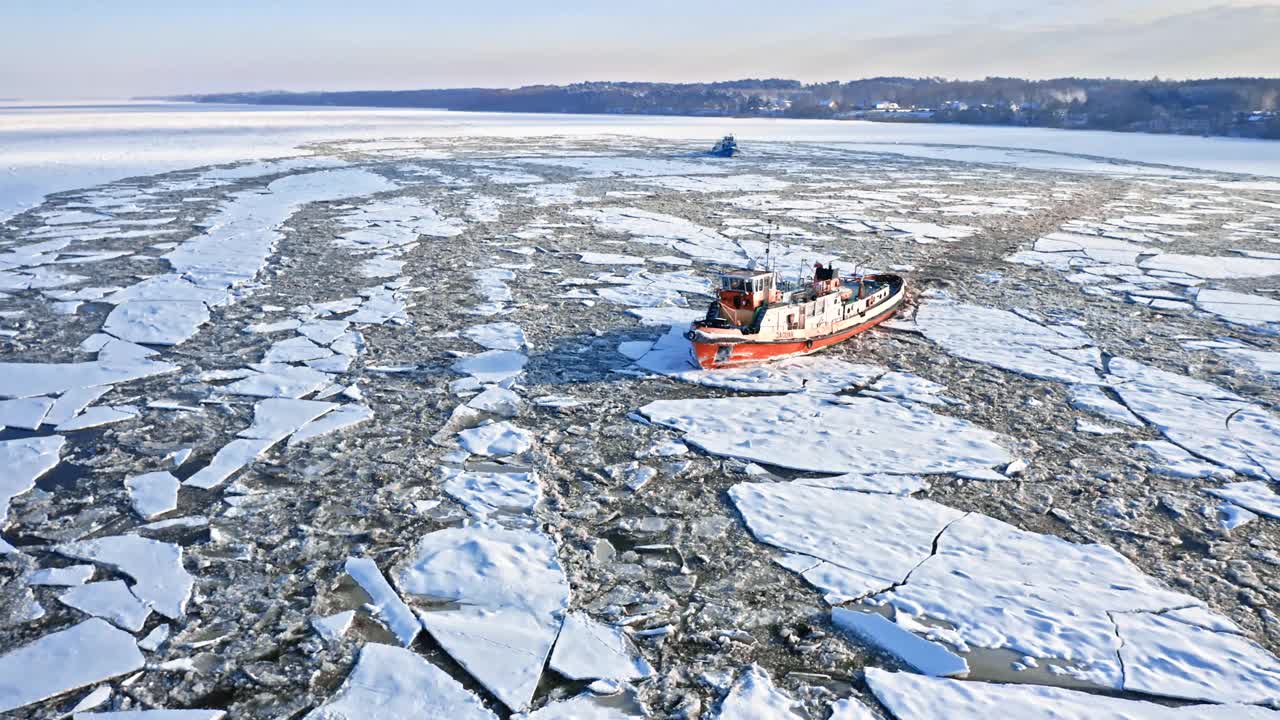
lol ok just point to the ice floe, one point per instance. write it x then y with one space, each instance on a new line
345 416
159 578
388 683
832 434
152 494
498 439
511 594
492 366
486 494
753 697
385 604
22 461
1008 341
1078 604
497 336
588 650
24 413
61 661
1254 496
908 695
97 417
109 600
22 380
64 576
924 656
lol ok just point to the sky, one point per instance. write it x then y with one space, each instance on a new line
126 48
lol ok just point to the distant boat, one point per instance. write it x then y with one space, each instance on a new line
726 147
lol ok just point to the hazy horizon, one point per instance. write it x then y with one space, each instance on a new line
135 48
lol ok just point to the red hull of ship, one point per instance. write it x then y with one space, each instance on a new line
745 353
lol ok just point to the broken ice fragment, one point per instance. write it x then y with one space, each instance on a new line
156 322
21 462
155 638
492 366
279 380
828 526
97 417
333 627
908 695
832 435
344 417
111 601
754 696
497 336
19 380
63 576
276 418
497 439
589 650
1007 341
922 655
1254 496
850 709
487 493
156 568
510 592
497 400
152 494
387 606
71 402
388 683
24 413
62 661
227 461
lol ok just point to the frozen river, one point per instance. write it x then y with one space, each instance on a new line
53 148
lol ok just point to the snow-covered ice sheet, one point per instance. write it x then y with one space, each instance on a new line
20 380
159 578
908 695
588 650
497 336
1036 595
827 533
486 494
754 697
511 594
832 434
1254 495
1200 417
1007 341
1166 656
111 601
81 655
389 683
152 494
924 656
498 439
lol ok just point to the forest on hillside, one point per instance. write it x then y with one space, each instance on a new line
1240 107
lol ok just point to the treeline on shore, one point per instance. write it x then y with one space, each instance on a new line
1241 107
